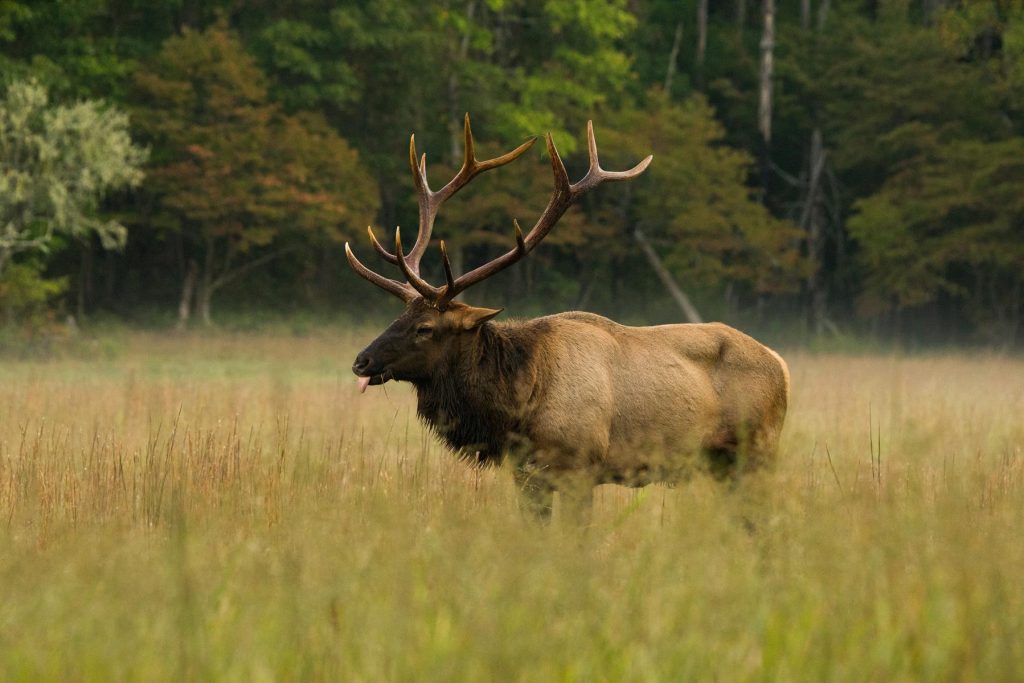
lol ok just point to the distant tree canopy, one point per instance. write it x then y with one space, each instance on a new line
238 182
884 200
698 204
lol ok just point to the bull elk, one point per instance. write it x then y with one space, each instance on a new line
573 399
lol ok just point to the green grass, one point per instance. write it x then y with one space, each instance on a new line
228 507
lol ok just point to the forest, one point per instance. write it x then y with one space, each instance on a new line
822 171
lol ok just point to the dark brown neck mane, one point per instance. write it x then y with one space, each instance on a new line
470 398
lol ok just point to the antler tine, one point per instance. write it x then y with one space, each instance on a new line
520 242
562 185
426 208
564 195
418 174
384 253
471 166
597 175
402 291
449 278
426 290
592 145
468 146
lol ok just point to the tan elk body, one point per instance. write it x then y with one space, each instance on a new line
574 399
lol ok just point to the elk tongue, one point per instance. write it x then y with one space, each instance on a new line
363 382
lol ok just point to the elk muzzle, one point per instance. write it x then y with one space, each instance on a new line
368 372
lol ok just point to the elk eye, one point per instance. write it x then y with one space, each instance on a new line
424 330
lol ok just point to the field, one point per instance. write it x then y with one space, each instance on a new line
230 508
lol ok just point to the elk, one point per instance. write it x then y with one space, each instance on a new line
573 400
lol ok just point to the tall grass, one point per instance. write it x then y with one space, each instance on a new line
229 507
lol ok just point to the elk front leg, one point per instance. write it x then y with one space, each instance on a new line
536 495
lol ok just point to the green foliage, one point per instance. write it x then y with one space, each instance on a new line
696 199
956 210
296 52
12 14
229 163
579 67
895 90
57 163
73 45
25 293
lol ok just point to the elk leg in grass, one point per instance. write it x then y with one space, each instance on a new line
536 495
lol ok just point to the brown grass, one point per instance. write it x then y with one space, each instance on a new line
229 507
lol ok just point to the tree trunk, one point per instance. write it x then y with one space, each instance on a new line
702 41
673 55
586 291
531 273
5 256
813 222
85 279
109 277
805 14
764 105
325 270
823 14
615 287
187 294
685 305
1015 310
205 294
741 15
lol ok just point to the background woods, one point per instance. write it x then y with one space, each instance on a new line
820 168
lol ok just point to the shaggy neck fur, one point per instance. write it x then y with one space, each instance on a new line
471 398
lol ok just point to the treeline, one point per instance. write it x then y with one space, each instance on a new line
825 168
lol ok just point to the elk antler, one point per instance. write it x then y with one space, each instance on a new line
399 289
429 203
564 195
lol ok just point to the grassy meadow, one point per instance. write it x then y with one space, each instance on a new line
228 507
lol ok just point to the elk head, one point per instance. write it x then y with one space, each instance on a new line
434 324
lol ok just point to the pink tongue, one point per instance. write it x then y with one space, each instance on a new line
363 382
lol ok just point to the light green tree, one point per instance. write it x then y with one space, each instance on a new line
57 162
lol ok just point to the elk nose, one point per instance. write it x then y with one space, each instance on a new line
363 361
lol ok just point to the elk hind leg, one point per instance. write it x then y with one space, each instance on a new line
752 488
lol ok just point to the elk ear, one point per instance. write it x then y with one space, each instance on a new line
474 317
